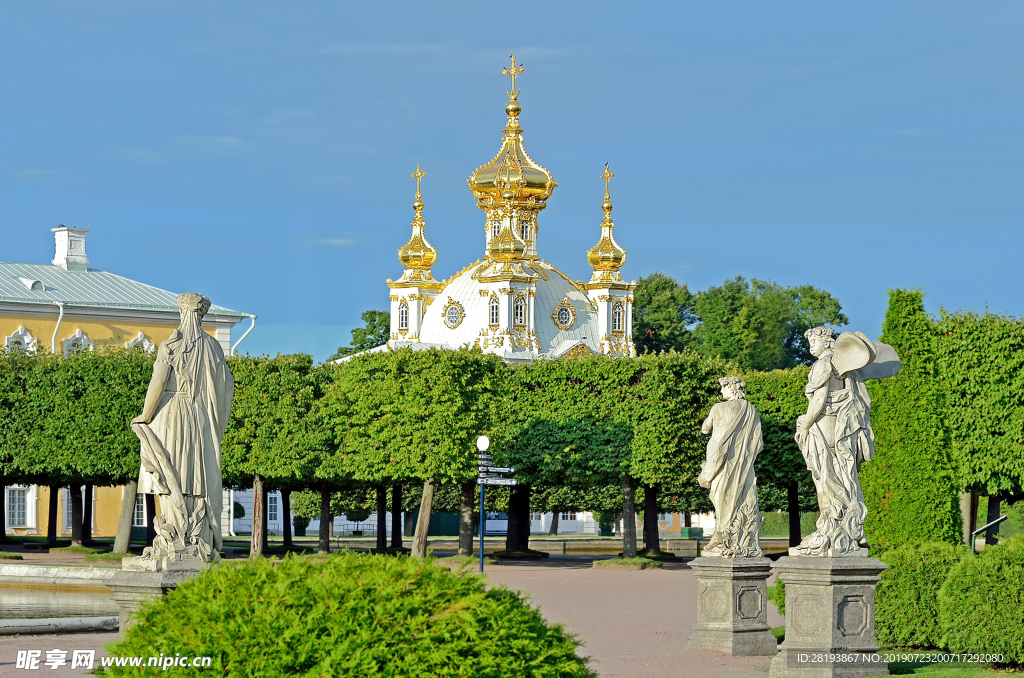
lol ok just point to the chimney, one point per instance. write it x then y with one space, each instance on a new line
70 248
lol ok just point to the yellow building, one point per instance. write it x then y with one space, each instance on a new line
66 306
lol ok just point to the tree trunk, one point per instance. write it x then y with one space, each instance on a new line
325 519
554 521
687 516
256 543
618 523
51 517
628 517
87 514
965 516
793 504
993 514
419 541
518 536
652 543
150 516
124 524
466 518
76 514
382 518
974 510
396 516
286 515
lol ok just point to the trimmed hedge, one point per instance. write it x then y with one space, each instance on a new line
907 597
351 615
981 605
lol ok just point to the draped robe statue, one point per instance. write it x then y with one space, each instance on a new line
835 435
180 428
728 472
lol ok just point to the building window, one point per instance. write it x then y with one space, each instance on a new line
520 312
403 316
524 230
617 318
568 516
67 510
17 507
495 228
139 516
494 310
272 508
663 517
536 516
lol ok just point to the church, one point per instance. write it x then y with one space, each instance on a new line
511 302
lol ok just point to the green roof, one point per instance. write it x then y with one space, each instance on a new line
42 284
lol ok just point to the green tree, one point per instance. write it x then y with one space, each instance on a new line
759 324
910 487
400 415
270 442
981 368
663 310
374 333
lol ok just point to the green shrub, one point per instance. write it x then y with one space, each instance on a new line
350 615
777 594
907 597
981 605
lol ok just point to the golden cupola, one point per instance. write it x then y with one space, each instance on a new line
512 189
418 255
606 256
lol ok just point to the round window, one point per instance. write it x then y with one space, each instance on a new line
564 316
452 316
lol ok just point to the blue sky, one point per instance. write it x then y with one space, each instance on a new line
260 152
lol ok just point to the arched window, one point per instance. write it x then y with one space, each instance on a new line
403 316
617 318
519 314
495 228
524 230
494 310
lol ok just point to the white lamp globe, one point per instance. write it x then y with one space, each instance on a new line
482 443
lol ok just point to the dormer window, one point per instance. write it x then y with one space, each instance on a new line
617 318
403 316
495 314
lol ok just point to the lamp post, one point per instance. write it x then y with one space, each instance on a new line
482 443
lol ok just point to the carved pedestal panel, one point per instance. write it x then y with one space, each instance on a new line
830 618
732 613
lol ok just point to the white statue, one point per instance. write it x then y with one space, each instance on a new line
181 425
835 435
735 429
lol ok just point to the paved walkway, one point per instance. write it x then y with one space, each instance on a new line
633 623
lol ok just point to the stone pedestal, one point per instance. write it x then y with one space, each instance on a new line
732 614
133 588
830 618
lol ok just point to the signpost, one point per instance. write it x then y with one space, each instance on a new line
488 475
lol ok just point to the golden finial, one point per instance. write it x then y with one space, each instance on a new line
606 256
418 176
512 72
607 176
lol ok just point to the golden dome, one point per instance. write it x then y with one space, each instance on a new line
418 255
512 169
606 256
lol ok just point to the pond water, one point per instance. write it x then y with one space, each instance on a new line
42 603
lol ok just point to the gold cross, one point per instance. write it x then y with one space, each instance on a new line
511 73
418 176
607 176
